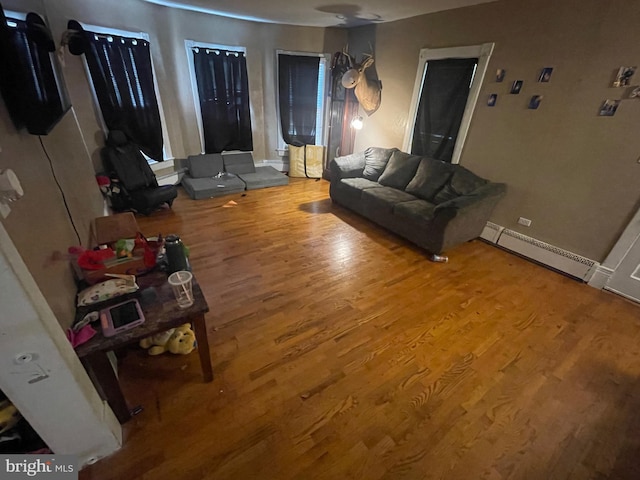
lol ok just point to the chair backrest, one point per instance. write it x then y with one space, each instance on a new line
239 163
205 165
125 159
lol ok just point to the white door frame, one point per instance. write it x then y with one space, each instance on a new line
40 372
625 243
482 53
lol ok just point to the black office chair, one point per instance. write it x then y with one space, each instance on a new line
137 182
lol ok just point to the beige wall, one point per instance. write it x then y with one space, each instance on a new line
39 225
574 174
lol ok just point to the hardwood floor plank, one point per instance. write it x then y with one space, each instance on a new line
340 351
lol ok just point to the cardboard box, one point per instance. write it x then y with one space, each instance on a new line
109 230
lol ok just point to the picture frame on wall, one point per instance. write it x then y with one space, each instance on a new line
608 108
623 77
491 101
534 103
516 87
545 75
500 74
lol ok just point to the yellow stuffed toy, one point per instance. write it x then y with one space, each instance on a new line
181 340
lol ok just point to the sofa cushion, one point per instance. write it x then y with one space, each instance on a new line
384 199
375 161
415 210
360 183
462 182
199 188
264 177
399 171
430 177
205 166
239 163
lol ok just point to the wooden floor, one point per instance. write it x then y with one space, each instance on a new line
341 352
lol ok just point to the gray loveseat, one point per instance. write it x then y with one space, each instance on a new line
434 204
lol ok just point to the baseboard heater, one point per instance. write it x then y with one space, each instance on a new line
554 257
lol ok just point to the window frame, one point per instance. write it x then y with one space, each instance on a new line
190 44
483 54
323 113
167 151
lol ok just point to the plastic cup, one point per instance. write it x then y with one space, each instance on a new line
181 285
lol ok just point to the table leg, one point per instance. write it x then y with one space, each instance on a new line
200 329
108 381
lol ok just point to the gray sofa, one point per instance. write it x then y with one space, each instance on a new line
434 204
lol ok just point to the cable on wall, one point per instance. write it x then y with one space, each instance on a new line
64 198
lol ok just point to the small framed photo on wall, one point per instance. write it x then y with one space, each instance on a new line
623 78
534 103
608 108
516 87
491 101
500 73
545 75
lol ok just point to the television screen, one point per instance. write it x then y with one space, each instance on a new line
30 81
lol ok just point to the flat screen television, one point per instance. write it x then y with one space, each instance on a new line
30 81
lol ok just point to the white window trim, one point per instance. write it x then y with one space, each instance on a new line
167 152
321 133
188 45
482 53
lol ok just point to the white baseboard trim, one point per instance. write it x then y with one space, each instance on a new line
281 165
554 257
600 277
491 232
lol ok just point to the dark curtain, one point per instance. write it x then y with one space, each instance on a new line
298 97
122 77
223 88
442 103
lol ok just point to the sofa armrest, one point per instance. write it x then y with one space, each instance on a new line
463 218
349 166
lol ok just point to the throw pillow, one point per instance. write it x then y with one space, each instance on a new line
430 177
375 161
399 171
463 182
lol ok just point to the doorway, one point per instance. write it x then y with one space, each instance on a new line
621 268
447 79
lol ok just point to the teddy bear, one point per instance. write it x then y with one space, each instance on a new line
180 340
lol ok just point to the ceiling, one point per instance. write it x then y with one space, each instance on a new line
318 13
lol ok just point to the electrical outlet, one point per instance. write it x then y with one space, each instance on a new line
524 221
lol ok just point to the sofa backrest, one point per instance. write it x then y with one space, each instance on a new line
205 166
239 163
429 179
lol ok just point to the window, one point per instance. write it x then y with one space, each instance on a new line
301 98
444 97
221 93
123 83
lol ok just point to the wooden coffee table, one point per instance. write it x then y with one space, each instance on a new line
161 313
